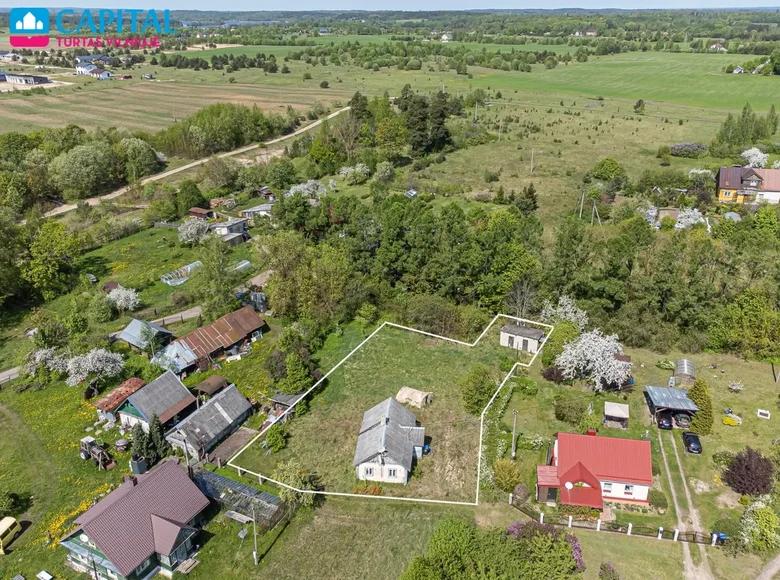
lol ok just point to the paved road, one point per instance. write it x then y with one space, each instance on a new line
113 195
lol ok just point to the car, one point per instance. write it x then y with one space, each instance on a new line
691 442
9 530
682 420
665 420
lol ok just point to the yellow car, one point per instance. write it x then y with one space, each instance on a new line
9 530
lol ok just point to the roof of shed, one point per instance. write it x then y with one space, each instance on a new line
617 410
217 414
139 517
166 396
211 385
670 398
222 333
133 332
389 429
119 395
526 331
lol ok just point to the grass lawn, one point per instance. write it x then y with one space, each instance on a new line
324 439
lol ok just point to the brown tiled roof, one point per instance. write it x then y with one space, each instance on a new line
124 526
731 178
223 333
119 395
771 179
200 210
211 385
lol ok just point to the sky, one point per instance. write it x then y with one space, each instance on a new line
412 5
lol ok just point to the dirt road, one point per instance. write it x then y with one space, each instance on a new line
121 191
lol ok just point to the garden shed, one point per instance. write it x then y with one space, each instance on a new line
616 415
410 396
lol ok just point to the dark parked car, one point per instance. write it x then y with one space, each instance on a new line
691 442
682 420
665 420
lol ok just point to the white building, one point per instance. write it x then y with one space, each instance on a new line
262 210
100 74
85 68
524 338
388 442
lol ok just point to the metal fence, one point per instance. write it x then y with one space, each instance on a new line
629 529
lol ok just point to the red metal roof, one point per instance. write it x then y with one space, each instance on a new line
119 395
223 333
607 458
547 476
576 493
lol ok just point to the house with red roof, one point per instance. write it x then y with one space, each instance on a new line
587 470
146 526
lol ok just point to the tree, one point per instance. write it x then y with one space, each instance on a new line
754 157
759 526
216 279
439 136
85 170
281 173
476 388
750 473
157 439
276 437
140 442
219 172
347 129
565 311
593 355
6 504
98 363
391 136
140 158
749 326
506 474
527 202
608 169
297 378
189 196
563 333
704 418
521 296
100 309
687 218
193 231
51 259
124 298
639 107
292 474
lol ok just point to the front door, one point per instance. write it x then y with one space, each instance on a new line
552 494
525 344
511 342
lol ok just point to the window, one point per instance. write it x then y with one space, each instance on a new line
629 490
393 472
369 471
143 566
607 488
726 194
511 342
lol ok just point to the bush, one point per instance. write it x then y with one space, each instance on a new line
750 473
527 387
578 512
507 474
491 176
688 150
569 408
656 466
276 437
520 492
306 76
366 488
589 421
324 85
658 499
607 572
553 374
722 459
608 169
476 388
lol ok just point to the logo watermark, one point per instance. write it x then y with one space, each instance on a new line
31 28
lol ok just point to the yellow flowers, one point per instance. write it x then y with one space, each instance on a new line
58 526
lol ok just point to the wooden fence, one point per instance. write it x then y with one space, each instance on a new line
629 529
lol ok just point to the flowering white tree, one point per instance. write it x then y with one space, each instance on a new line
98 362
565 311
193 231
776 165
311 188
700 173
385 172
753 157
355 175
688 218
44 359
592 355
332 185
124 298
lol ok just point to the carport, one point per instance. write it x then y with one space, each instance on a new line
668 399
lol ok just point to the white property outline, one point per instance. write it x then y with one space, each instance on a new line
242 470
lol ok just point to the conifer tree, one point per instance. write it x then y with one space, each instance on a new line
703 419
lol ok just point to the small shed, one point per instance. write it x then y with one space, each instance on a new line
138 333
684 372
616 415
202 214
211 385
519 337
413 397
668 399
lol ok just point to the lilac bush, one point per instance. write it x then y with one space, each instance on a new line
690 150
607 572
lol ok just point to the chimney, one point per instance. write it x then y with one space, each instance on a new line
592 432
130 479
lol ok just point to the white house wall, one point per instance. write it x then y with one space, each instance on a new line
370 471
533 344
772 197
618 492
129 421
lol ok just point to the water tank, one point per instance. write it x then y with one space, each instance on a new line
138 465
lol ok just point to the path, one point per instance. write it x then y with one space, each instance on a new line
691 571
121 191
188 314
771 569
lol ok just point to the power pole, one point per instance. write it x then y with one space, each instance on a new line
475 111
500 124
514 439
254 527
532 160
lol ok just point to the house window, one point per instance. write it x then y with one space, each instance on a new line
143 566
726 194
369 471
393 472
607 488
629 490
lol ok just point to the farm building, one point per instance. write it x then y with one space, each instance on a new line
86 68
146 526
586 470
234 239
668 399
684 372
264 192
266 508
199 347
138 333
232 226
100 74
388 442
748 185
166 396
212 423
111 401
17 79
523 338
410 396
262 210
202 214
211 386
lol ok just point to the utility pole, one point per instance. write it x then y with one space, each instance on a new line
532 160
475 111
500 124
254 527
514 439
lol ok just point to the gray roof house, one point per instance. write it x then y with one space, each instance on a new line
148 525
166 397
388 442
526 338
133 334
211 424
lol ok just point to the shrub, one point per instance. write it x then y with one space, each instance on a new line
553 374
324 85
750 473
589 421
658 499
722 459
276 437
656 466
607 572
578 512
491 176
520 492
704 418
306 76
569 408
366 488
507 474
527 387
688 150
607 169
476 388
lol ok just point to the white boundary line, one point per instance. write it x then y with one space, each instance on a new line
242 470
